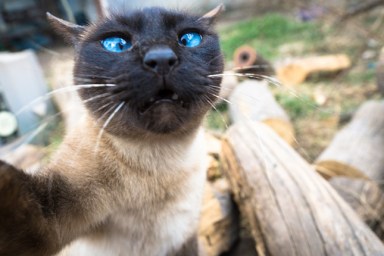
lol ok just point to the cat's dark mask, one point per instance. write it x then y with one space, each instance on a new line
159 83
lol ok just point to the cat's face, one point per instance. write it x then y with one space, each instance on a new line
158 63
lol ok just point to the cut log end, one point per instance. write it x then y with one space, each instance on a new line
244 56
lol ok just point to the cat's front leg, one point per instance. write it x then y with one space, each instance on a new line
24 229
40 214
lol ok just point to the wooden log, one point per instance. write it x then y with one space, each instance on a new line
366 198
248 61
357 150
291 209
252 100
296 71
218 229
380 72
354 161
228 84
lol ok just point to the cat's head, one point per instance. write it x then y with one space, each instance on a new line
158 64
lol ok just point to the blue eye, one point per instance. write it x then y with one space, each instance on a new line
116 44
191 39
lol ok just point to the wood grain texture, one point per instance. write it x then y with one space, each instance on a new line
292 210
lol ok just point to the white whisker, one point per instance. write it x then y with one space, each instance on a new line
96 97
104 106
221 115
106 123
105 114
251 66
221 98
60 90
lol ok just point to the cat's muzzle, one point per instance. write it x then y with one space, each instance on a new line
163 97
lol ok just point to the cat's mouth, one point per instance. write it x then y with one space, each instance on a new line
163 97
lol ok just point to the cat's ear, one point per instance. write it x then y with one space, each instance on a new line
212 15
70 31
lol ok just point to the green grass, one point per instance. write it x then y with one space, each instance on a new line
297 106
362 77
267 33
217 119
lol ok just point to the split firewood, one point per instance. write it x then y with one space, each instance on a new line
247 61
218 229
296 71
357 150
252 100
291 209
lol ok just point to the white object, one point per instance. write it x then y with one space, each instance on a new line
8 124
22 82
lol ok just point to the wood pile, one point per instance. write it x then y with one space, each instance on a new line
291 209
286 205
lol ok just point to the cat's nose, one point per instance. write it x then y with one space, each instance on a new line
160 60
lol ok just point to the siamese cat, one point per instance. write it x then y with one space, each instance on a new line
128 180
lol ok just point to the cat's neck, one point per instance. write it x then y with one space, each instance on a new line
161 152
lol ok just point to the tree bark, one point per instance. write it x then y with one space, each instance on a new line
291 209
252 100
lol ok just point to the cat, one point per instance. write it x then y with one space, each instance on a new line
128 180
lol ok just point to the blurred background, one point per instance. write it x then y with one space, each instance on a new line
35 61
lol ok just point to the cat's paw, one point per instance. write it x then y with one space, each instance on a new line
20 214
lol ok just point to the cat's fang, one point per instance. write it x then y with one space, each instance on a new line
175 96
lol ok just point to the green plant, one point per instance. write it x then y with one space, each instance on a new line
267 33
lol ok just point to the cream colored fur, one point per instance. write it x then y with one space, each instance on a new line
142 197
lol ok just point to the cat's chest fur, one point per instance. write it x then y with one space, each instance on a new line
154 206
